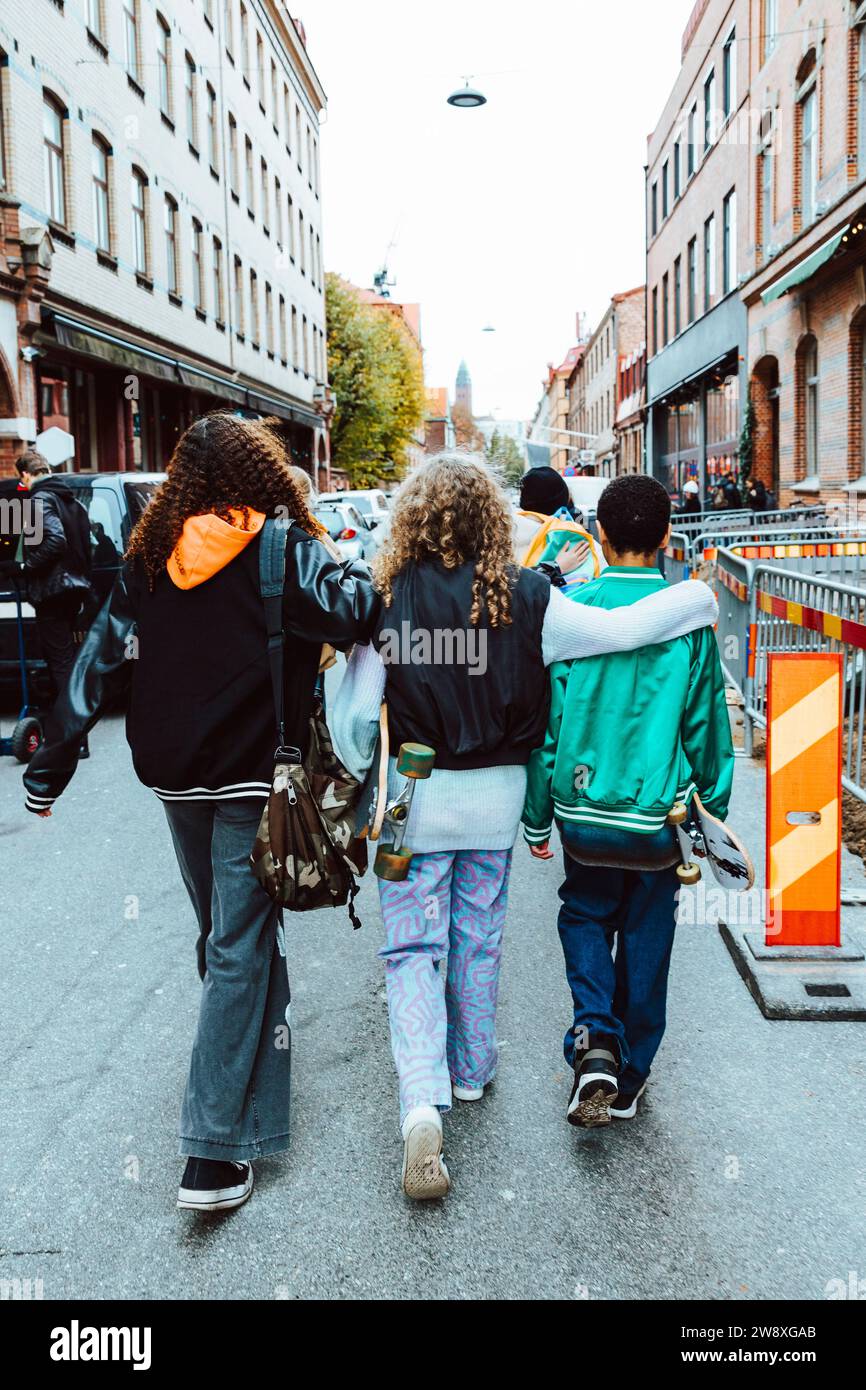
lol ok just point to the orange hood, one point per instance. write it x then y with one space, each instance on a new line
208 544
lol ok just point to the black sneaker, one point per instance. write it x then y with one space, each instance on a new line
595 1088
625 1105
208 1184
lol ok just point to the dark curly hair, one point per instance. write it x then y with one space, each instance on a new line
220 464
635 512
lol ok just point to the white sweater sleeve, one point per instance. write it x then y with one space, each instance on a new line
576 629
353 715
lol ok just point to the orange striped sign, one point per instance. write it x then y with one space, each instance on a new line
815 619
784 551
804 798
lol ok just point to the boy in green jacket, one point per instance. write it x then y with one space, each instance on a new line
629 735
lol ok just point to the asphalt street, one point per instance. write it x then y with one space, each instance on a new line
743 1177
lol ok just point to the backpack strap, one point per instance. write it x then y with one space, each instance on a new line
272 582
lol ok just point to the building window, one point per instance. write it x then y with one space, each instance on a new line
654 206
234 176
93 11
309 157
770 25
294 337
306 346
287 117
248 165
245 43
100 154
213 151
269 318
191 103
163 63
676 164
665 320
130 39
729 74
239 296
260 68
861 100
138 191
665 205
316 171
229 26
284 346
197 265
319 261
53 122
254 308
290 208
729 238
691 140
2 125
275 104
765 205
298 150
172 264
808 155
678 291
218 290
655 319
266 198
709 109
312 255
208 11
709 261
278 212
808 403
302 242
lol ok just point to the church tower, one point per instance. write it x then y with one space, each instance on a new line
463 394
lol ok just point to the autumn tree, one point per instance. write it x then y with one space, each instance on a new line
467 435
377 375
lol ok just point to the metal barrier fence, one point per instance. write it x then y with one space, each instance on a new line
765 609
692 523
838 549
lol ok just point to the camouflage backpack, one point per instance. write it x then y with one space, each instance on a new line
306 854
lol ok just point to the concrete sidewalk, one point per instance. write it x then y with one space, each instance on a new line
743 1177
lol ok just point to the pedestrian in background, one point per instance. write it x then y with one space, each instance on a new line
447 566
691 503
186 626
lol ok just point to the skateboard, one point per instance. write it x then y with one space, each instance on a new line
383 821
709 838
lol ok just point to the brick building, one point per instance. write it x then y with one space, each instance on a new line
438 425
555 409
631 411
160 225
594 386
805 291
698 200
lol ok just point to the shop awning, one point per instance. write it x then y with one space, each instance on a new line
805 269
79 337
217 385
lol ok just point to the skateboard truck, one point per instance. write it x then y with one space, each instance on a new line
688 871
415 763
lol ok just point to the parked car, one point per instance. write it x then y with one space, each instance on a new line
114 502
370 502
352 533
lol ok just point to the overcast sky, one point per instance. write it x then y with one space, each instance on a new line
514 215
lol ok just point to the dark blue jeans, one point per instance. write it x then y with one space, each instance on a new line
634 909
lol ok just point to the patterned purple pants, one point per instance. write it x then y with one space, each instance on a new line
443 1020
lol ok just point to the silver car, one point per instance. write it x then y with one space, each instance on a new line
348 529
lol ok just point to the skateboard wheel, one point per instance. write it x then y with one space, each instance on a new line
677 814
392 864
689 873
415 760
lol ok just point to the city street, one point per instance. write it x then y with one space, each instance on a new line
741 1179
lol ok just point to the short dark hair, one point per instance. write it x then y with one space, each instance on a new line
32 462
635 512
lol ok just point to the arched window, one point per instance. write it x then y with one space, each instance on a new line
138 190
190 83
218 291
807 405
172 263
54 159
197 265
100 164
857 396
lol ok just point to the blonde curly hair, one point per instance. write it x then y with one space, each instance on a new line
452 509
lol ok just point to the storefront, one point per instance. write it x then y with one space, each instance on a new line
127 405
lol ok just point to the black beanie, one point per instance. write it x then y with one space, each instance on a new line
544 490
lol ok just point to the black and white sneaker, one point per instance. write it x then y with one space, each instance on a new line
595 1088
209 1184
625 1105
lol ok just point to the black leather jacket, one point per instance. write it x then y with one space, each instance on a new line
194 664
56 549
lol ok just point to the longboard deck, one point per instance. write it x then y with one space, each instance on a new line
728 858
374 795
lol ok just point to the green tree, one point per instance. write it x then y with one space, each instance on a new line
504 454
377 376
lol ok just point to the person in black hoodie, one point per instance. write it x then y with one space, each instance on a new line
56 560
185 629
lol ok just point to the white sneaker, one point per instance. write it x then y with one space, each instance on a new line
468 1092
425 1176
